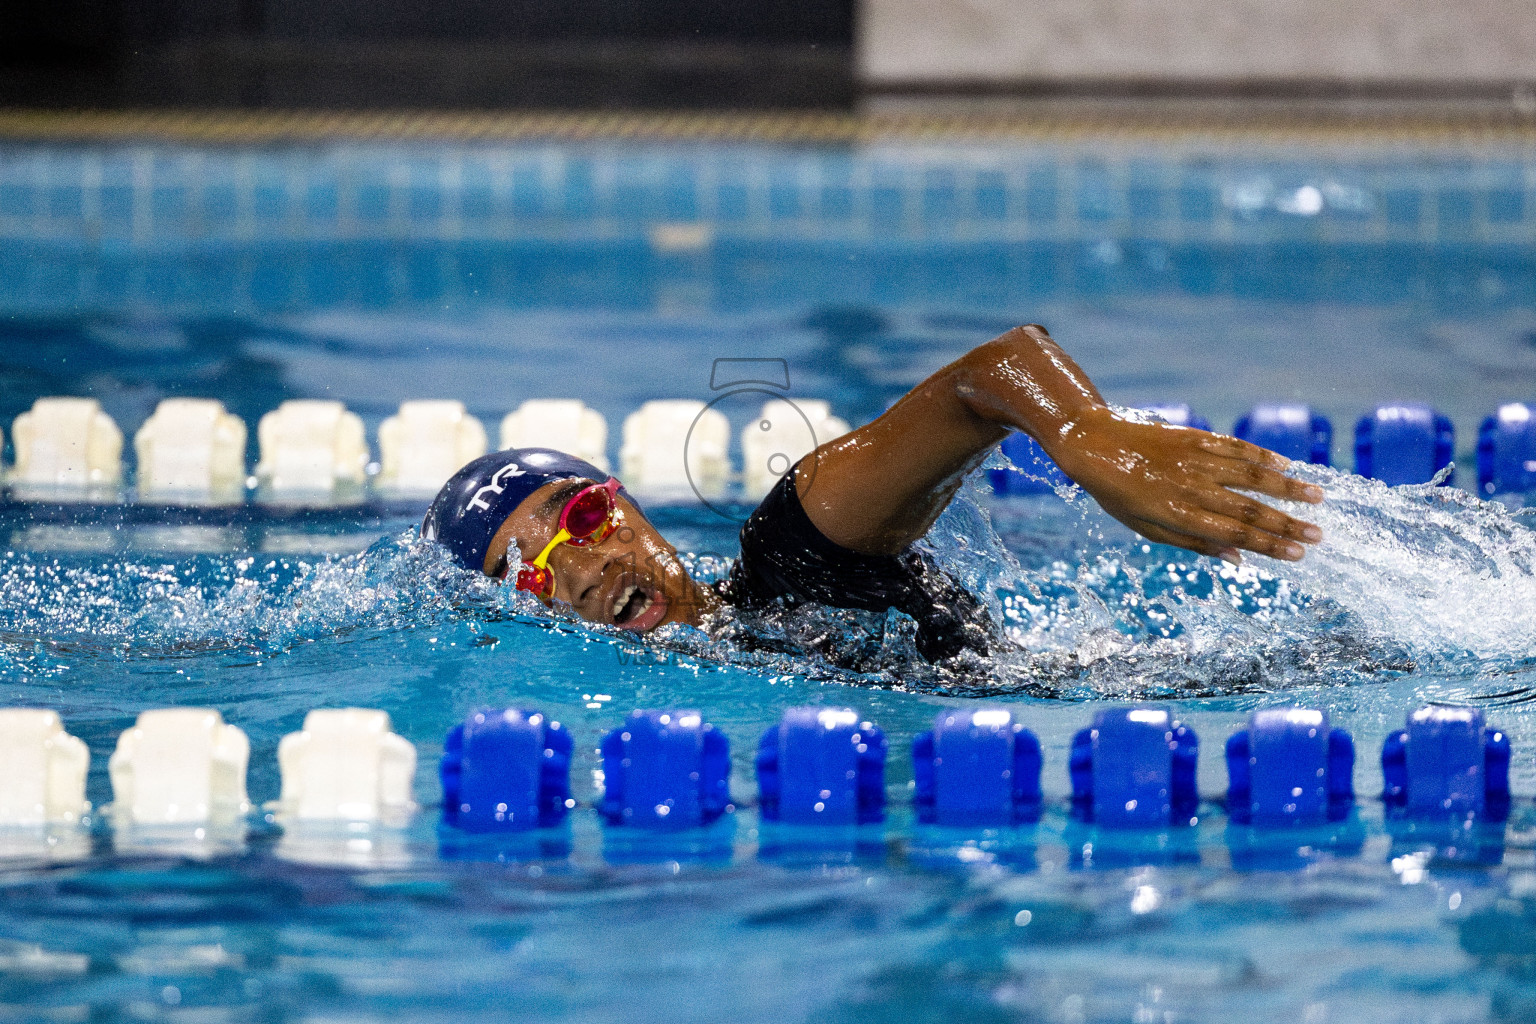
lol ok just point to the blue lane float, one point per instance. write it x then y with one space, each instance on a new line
506 770
1447 765
1506 450
665 770
976 768
1135 768
1288 768
1293 430
1034 472
822 766
1403 444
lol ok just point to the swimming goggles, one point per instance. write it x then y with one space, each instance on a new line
590 517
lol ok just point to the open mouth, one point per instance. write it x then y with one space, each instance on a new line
639 607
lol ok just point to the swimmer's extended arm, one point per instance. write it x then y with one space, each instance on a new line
880 487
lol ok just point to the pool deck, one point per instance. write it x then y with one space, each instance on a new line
1257 121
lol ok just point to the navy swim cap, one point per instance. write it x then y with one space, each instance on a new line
472 505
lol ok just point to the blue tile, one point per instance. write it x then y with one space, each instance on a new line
371 201
424 202
680 192
269 201
991 202
475 171
529 196
940 203
784 201
114 204
1195 268
732 202
1455 207
834 169
680 204
883 174
477 193
990 195
322 203
628 201
201 279
1145 202
170 206
1039 267
371 278
64 167
1144 174
1502 174
836 202
1402 205
66 201
886 207
580 194
1505 205
1349 212
1042 198
1040 202
17 200
478 271
1096 197
477 205
1197 201
117 169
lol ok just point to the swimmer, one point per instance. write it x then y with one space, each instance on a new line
839 529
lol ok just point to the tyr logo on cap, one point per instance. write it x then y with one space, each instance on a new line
497 485
476 500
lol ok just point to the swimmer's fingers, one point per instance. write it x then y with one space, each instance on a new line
1229 532
1256 514
1260 478
1163 535
1232 448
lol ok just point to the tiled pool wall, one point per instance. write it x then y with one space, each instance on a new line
248 230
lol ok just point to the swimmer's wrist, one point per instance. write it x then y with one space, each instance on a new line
1071 435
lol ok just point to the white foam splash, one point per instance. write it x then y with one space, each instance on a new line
1434 568
1407 578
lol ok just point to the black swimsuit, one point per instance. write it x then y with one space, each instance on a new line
785 558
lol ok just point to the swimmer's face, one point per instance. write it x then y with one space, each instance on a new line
632 580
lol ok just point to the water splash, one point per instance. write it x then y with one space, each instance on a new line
55 608
1450 576
1408 579
1424 578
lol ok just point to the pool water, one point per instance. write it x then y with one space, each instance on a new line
619 273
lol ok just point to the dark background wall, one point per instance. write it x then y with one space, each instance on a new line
426 53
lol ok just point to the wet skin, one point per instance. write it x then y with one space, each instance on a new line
879 488
596 580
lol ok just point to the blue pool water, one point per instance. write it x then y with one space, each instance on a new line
617 274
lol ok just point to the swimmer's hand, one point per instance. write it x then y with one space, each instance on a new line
1179 486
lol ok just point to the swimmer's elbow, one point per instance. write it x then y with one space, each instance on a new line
1019 348
990 376
1027 337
